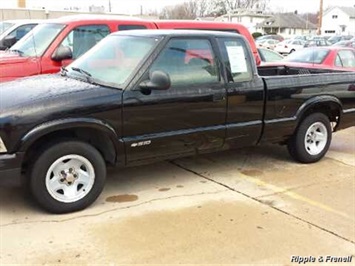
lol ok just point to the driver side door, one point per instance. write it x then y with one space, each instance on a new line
187 118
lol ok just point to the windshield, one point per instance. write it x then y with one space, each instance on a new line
37 41
315 56
5 25
114 59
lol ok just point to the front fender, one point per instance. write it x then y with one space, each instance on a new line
63 124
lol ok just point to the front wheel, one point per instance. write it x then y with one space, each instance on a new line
67 176
312 139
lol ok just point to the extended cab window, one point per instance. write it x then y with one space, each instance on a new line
236 59
83 38
188 62
132 27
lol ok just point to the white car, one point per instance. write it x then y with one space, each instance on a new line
289 46
13 30
268 43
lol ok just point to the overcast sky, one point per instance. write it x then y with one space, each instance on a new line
133 6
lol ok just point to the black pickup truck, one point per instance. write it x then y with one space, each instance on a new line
142 96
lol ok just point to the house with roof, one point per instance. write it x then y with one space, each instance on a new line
287 25
250 18
339 20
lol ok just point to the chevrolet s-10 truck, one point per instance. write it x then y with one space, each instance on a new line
148 95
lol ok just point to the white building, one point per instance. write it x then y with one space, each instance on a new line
339 20
249 18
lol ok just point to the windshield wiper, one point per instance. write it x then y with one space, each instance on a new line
82 71
85 73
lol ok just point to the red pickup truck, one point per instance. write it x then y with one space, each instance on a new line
58 42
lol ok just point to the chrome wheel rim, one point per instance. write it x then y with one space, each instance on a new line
316 138
70 178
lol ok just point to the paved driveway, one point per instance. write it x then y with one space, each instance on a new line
249 206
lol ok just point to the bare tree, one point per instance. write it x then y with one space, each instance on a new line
188 10
192 9
225 6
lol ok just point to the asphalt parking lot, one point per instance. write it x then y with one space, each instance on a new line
246 206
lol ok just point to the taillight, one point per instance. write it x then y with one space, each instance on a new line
351 87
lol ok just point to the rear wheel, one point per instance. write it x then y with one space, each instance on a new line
67 176
312 139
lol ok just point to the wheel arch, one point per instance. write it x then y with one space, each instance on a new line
97 133
326 104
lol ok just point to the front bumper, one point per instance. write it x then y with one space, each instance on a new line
10 169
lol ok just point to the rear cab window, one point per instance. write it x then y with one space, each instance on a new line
236 58
131 27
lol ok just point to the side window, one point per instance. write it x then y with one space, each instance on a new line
22 31
83 38
131 27
237 60
188 62
347 58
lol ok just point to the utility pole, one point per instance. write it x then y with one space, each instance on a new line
320 18
109 6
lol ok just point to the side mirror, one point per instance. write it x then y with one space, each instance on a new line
62 53
158 80
9 41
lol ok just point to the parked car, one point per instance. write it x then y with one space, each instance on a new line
11 31
338 38
267 55
336 58
272 37
289 46
350 43
317 42
57 43
268 43
147 95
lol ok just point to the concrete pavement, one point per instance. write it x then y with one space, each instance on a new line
246 206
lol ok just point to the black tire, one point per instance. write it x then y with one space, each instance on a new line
297 146
47 159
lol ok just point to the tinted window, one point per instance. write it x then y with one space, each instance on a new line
188 62
236 59
82 39
131 27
